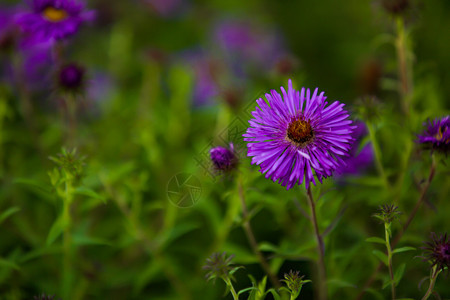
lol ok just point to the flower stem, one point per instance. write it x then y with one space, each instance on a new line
252 240
320 247
230 285
389 255
377 151
433 276
419 202
403 66
67 237
405 226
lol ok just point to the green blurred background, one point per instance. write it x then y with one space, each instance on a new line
143 121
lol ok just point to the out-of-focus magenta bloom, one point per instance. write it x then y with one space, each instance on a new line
37 66
50 20
358 161
437 135
247 42
166 8
298 137
206 73
7 28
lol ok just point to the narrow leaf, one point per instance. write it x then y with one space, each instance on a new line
55 231
399 273
383 257
8 212
375 239
403 249
9 264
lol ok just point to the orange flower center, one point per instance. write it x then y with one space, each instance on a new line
53 14
300 132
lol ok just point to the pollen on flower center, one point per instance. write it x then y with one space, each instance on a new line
300 132
53 14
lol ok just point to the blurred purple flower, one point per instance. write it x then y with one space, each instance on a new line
37 66
358 161
250 43
166 8
206 73
294 135
7 28
51 20
436 135
99 87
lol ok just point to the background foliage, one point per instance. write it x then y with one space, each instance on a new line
145 125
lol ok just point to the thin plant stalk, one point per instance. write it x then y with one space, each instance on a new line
389 255
377 152
67 236
401 45
433 276
320 248
71 107
411 216
230 285
252 240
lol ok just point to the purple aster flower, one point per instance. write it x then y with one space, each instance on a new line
438 251
71 77
437 135
358 161
223 159
294 135
51 20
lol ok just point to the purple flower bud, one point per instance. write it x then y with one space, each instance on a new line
224 159
71 77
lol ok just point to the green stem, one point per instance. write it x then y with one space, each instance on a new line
252 240
433 276
399 235
71 105
230 285
67 238
320 248
376 149
403 65
389 254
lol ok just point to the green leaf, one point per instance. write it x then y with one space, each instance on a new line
9 264
381 256
10 211
274 294
84 191
55 231
81 240
399 273
403 249
387 283
178 231
264 246
375 239
246 290
33 183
